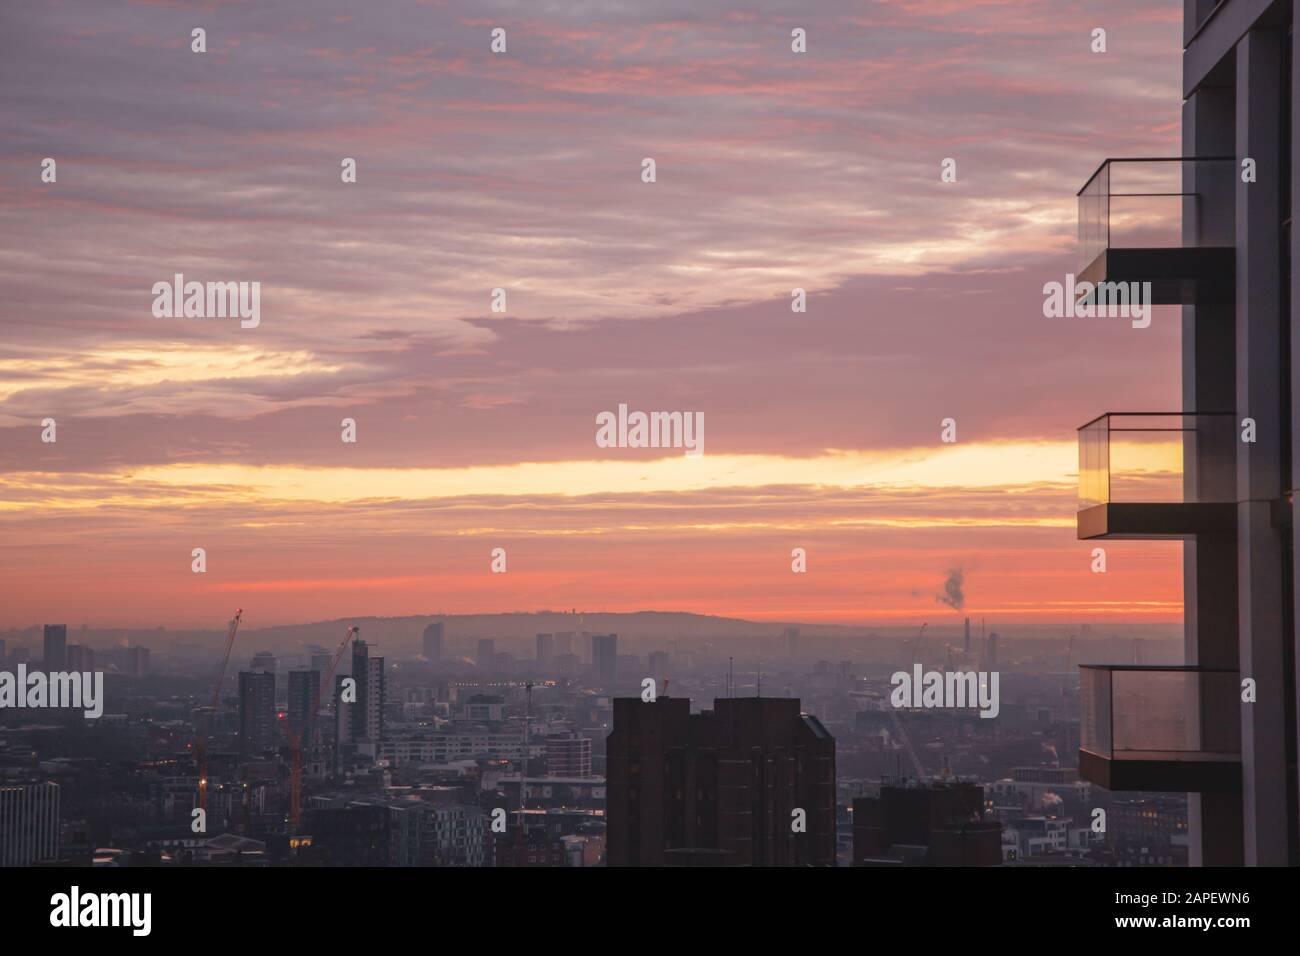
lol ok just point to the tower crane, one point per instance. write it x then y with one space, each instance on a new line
907 744
295 736
201 741
916 641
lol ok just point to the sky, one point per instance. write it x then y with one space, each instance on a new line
522 171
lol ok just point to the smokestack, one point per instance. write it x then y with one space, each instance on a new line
967 645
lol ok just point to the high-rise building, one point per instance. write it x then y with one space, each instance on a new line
722 784
563 643
264 661
256 711
940 824
320 661
991 652
376 699
604 657
80 657
545 648
1220 246
29 823
486 657
137 661
431 643
791 637
966 642
367 714
343 710
55 653
568 755
304 699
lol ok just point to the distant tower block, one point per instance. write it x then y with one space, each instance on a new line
966 646
432 642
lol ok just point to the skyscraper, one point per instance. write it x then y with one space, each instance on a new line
723 784
432 642
604 657
137 661
256 711
545 648
79 657
1219 245
55 655
376 699
367 715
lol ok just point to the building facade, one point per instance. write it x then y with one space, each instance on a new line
54 653
256 711
749 783
29 823
1221 727
431 643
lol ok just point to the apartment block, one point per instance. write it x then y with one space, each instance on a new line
1210 231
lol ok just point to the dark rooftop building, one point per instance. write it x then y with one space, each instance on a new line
732 780
931 825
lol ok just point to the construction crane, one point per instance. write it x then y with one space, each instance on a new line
907 744
295 736
916 642
201 742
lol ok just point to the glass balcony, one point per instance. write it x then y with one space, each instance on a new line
1160 728
1157 474
1165 221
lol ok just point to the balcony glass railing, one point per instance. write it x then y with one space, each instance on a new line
1156 204
1160 713
1157 457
